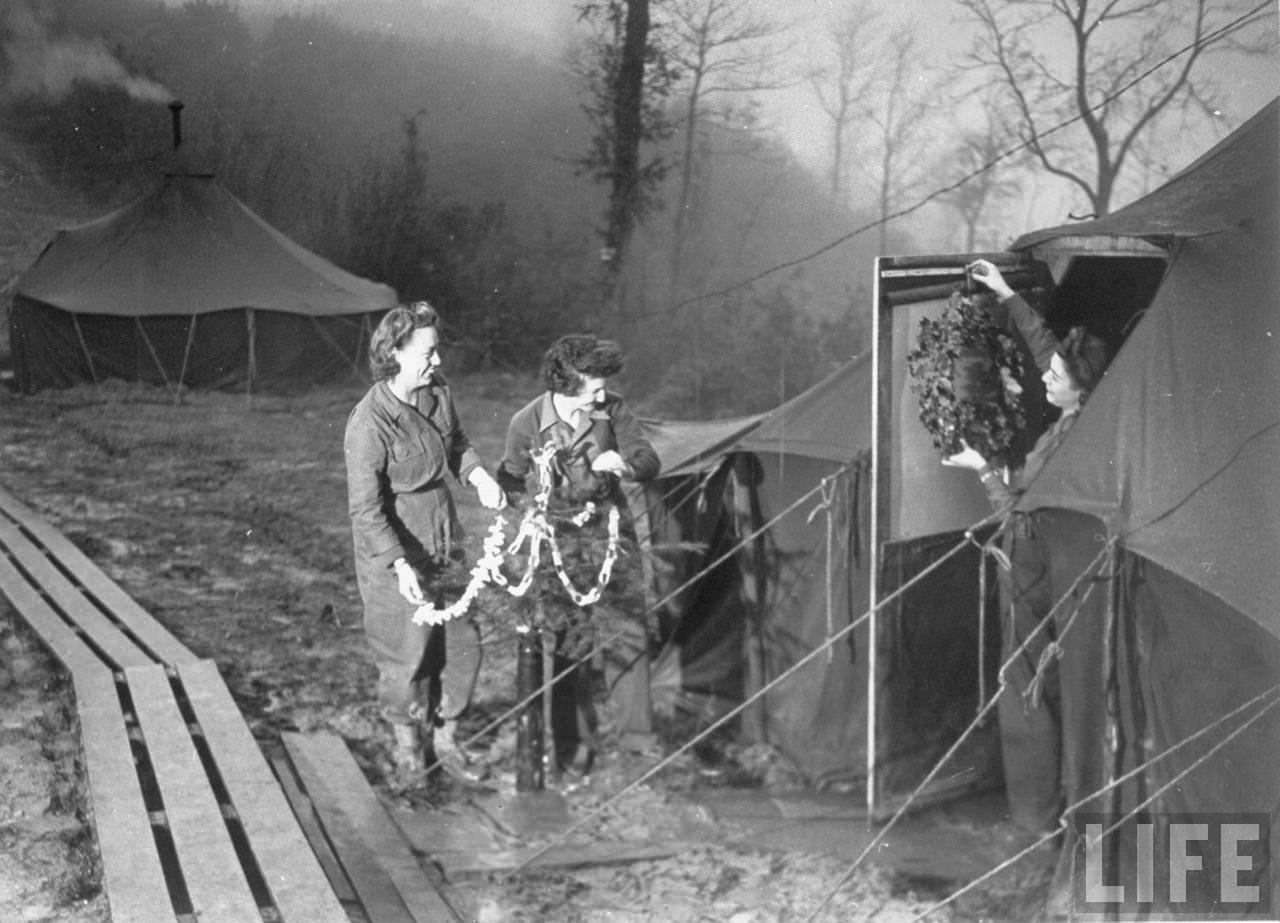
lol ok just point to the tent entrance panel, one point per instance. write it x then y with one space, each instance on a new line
914 497
937 652
920 509
698 675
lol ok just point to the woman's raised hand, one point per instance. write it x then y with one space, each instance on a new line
986 272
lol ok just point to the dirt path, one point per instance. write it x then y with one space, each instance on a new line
48 861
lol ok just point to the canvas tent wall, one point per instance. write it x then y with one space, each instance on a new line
1118 276
187 286
780 514
1175 460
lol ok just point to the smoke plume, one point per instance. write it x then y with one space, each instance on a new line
39 64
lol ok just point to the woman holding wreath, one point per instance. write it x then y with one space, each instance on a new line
1030 724
402 441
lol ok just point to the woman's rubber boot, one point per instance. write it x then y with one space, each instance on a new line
451 758
410 765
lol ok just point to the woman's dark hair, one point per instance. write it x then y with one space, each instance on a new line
577 356
1085 358
393 331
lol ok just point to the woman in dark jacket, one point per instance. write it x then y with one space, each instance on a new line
403 440
1030 726
598 441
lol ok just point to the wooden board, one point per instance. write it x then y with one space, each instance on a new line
467 864
61 640
359 828
298 885
210 867
145 628
304 810
114 643
132 875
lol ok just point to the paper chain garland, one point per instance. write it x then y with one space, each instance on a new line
535 529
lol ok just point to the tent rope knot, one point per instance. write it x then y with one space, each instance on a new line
1034 693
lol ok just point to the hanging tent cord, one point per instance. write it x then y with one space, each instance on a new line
982 626
746 703
828 498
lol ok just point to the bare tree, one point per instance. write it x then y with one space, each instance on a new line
723 51
981 160
1107 70
899 105
627 82
842 80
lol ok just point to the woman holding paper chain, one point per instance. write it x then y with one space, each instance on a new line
403 439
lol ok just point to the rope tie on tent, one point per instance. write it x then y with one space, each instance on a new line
827 487
1034 693
989 548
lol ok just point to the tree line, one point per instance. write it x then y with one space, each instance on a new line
630 190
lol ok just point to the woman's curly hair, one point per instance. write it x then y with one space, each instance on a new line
576 356
1085 358
393 331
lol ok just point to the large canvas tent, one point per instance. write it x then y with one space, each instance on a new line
1172 461
790 491
1175 461
187 286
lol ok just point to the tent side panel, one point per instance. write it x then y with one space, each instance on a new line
49 348
699 672
295 350
46 348
1194 660
817 716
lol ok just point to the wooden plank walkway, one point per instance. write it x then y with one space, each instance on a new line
190 821
379 861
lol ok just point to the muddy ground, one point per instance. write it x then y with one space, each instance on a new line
225 517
